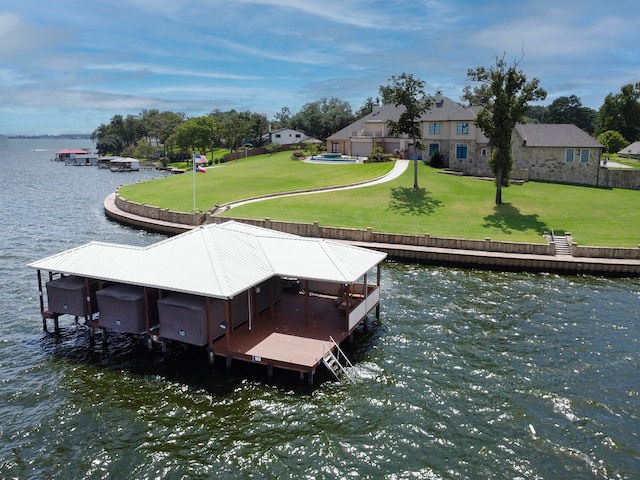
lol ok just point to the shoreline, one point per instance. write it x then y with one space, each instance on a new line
454 257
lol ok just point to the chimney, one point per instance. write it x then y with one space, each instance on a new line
439 100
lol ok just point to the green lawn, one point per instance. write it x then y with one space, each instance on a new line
446 205
247 178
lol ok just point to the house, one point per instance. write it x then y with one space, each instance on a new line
555 152
561 153
286 136
631 151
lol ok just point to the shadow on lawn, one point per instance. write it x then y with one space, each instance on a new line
412 201
508 218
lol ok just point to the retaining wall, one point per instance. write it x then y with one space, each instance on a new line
368 235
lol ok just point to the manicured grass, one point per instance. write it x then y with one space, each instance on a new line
246 178
461 207
445 206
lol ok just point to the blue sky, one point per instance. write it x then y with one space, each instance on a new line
67 66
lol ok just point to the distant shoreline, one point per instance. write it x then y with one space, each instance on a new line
67 136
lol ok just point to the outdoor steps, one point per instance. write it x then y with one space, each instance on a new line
562 246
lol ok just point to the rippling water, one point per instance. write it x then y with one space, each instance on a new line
467 374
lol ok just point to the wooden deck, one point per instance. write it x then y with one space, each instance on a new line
294 335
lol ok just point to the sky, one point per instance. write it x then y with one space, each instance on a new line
69 66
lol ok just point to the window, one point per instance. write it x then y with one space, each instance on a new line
298 135
277 135
584 155
569 155
463 128
434 128
461 151
483 152
433 148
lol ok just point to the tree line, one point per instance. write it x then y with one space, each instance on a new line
143 134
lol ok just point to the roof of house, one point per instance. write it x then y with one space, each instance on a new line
218 261
443 109
555 135
633 149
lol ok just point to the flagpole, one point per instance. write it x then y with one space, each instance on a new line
193 175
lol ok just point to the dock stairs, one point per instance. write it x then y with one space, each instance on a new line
561 243
337 362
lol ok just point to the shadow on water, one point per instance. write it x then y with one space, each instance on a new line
189 365
507 219
413 201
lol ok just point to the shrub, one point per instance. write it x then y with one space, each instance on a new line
298 155
437 160
378 155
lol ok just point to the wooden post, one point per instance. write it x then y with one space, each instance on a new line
306 302
378 284
228 319
41 294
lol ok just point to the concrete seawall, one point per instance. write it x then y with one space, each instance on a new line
482 254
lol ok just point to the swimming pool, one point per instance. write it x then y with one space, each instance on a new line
334 157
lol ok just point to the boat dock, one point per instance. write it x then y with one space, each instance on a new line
244 293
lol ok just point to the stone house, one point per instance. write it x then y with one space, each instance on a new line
562 153
559 153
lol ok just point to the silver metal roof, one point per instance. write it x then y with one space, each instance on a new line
218 261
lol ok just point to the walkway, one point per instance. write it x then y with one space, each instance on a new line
397 170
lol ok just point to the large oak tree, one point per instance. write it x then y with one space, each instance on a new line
506 93
408 92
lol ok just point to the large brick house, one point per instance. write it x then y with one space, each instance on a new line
562 153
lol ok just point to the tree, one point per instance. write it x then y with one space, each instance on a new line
282 119
613 141
508 94
408 92
109 143
367 107
196 133
322 118
621 112
570 110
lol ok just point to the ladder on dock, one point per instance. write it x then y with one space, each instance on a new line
333 360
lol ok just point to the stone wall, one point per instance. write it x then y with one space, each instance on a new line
155 213
622 178
367 235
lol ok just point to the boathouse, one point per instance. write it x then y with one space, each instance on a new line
76 157
243 292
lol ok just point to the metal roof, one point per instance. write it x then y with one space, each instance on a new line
218 261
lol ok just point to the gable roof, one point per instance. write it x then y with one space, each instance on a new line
443 109
446 110
218 261
633 149
383 113
555 135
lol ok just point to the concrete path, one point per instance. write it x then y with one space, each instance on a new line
397 170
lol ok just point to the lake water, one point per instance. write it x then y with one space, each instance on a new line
467 374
